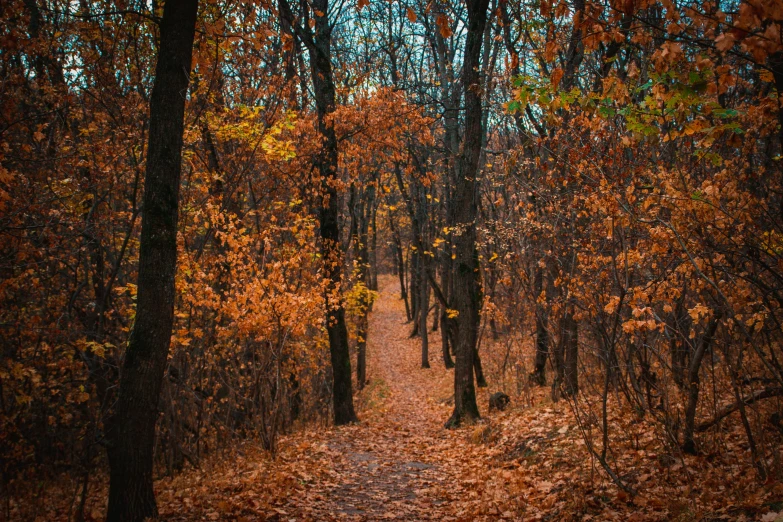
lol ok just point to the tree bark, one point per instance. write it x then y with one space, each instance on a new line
323 84
538 376
131 429
571 333
446 326
363 213
424 309
319 46
401 272
689 444
466 290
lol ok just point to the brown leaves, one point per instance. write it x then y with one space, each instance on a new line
557 75
724 42
444 25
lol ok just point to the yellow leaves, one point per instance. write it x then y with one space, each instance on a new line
772 242
99 349
451 313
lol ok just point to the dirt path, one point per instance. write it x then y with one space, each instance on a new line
391 465
398 463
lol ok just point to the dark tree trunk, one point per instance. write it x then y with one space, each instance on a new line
424 262
424 309
567 352
318 41
131 429
466 289
481 381
401 269
323 86
363 213
558 359
689 444
445 322
361 352
679 325
414 261
538 376
571 341
374 245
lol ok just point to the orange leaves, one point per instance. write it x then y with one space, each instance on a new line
444 25
411 14
724 42
546 8
550 49
556 76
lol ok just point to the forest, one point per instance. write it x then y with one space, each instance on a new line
462 260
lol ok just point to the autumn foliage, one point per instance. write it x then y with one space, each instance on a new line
625 254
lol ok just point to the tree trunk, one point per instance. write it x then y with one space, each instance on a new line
374 245
423 312
415 262
399 254
538 376
481 381
318 41
361 352
323 86
571 333
446 326
679 324
131 430
366 200
689 444
466 294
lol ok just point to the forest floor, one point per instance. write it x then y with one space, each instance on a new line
397 463
529 462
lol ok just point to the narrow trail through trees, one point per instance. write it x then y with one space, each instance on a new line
395 463
398 463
